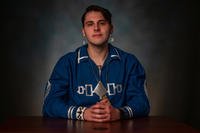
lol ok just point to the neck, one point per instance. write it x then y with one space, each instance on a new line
98 53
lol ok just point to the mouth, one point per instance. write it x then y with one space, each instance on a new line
97 35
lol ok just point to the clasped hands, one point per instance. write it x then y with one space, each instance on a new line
102 111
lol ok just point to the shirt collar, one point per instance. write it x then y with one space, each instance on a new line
83 54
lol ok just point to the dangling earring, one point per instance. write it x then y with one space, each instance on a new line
84 41
111 38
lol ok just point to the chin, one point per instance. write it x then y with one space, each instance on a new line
99 44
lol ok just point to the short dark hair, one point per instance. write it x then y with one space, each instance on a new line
105 12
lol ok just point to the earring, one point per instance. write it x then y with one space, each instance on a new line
84 41
111 38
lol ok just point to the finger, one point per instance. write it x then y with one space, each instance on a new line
98 111
100 120
100 116
98 106
108 109
105 100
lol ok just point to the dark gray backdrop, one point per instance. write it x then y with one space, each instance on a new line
163 34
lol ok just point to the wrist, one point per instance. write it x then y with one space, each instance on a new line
85 114
121 112
118 113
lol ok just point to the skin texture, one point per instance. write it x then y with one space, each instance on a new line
97 31
102 112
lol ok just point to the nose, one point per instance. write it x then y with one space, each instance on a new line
96 27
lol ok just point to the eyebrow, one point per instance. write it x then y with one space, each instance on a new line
90 21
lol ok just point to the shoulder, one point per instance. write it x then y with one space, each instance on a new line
126 56
70 57
130 61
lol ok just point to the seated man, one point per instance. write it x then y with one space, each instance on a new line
97 82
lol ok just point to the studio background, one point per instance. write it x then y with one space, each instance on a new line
163 34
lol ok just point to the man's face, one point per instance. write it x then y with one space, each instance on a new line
96 28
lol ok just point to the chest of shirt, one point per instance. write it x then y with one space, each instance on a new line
88 75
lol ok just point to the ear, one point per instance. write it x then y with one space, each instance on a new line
83 32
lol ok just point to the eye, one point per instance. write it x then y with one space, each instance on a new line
102 22
88 24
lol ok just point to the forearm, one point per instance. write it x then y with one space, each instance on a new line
137 107
55 108
58 108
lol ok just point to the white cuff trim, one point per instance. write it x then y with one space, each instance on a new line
130 111
70 112
80 112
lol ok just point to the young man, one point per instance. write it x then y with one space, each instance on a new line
97 82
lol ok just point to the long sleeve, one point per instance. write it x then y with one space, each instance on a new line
56 102
137 103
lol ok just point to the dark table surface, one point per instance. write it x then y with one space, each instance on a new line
139 125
